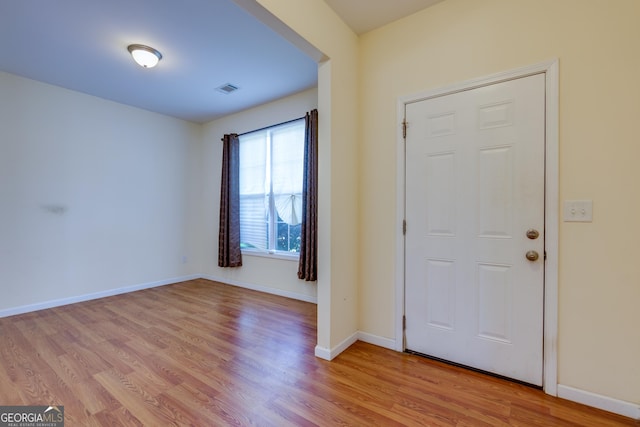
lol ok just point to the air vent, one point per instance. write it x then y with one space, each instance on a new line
227 89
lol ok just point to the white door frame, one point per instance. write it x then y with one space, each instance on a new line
550 339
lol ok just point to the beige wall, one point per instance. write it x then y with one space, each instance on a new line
597 43
338 164
270 274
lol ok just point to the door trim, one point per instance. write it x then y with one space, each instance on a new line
551 70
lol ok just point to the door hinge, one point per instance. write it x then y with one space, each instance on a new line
404 227
545 255
404 323
404 129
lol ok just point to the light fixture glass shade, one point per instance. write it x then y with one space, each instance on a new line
145 56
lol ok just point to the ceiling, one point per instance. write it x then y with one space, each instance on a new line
376 12
82 45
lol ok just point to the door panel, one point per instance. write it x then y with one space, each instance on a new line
474 186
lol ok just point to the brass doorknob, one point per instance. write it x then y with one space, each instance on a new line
532 255
533 234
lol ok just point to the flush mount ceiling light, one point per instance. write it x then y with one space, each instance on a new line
145 56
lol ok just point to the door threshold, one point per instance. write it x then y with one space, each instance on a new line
471 368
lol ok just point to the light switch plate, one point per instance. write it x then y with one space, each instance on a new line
578 210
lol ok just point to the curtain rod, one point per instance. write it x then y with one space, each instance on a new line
267 127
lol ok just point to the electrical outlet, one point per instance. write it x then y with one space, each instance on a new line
578 210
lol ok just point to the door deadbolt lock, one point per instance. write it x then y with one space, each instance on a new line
532 255
533 234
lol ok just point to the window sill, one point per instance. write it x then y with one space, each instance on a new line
274 255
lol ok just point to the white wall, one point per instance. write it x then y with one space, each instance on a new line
94 195
274 275
98 197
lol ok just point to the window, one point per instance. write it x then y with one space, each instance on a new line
271 174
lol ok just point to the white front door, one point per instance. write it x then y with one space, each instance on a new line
474 202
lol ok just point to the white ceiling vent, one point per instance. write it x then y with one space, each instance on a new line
227 89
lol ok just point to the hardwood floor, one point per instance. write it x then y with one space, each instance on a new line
206 354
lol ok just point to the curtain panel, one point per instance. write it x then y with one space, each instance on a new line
229 254
308 265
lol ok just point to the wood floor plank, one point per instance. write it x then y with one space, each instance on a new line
94 397
206 354
136 399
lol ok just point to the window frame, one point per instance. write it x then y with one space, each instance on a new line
272 214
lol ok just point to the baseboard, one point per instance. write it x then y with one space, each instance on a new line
260 288
323 353
87 297
377 340
605 403
330 354
627 409
111 292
